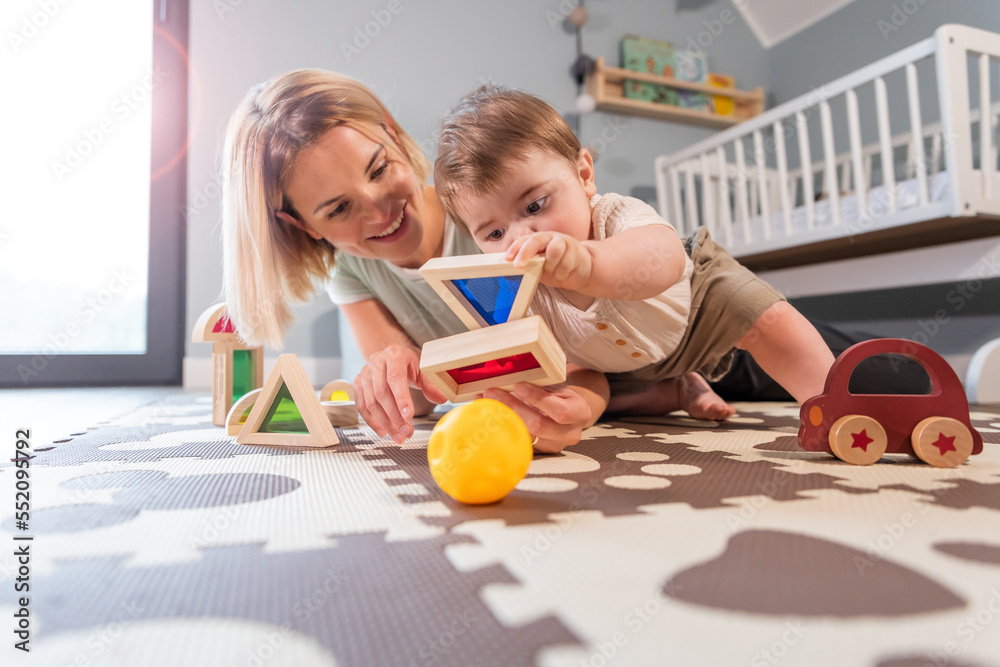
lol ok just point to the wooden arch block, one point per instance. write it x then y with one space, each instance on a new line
236 367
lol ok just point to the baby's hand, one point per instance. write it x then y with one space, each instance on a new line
568 263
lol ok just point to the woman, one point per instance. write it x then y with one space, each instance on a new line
322 185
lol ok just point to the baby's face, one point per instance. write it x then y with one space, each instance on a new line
543 193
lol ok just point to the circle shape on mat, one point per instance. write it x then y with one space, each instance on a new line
637 482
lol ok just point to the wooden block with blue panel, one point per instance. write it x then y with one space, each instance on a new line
237 368
503 346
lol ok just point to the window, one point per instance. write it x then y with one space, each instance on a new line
90 192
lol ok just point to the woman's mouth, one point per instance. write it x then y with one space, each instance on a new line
392 228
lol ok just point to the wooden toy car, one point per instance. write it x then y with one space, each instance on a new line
860 428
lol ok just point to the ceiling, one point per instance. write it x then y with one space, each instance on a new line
775 20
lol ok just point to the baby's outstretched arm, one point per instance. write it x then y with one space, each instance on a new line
568 263
636 264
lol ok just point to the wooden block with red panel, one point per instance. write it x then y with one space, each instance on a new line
860 428
237 368
503 346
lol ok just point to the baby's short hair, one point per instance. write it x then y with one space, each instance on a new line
486 131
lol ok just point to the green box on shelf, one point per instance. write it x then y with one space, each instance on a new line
641 54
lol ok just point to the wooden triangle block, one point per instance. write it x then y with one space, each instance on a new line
288 381
468 284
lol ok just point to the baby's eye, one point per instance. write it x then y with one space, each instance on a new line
495 235
535 206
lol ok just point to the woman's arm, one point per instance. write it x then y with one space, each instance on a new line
557 415
382 388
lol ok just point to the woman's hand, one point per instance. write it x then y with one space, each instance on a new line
556 415
382 391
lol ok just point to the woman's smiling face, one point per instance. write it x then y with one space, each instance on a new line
359 192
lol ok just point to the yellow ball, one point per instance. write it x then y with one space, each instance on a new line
479 451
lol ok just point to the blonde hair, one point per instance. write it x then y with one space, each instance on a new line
267 263
486 132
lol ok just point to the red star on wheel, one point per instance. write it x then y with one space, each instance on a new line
861 440
944 443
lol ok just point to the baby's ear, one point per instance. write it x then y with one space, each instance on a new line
295 222
585 168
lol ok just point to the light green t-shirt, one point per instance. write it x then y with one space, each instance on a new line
416 306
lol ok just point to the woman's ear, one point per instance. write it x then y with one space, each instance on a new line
585 167
295 222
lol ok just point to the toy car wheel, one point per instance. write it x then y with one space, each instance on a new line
942 442
858 439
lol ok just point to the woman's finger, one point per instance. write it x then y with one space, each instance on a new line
369 407
537 423
562 406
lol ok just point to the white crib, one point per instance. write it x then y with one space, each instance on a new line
930 183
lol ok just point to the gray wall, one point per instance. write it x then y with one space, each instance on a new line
420 62
862 32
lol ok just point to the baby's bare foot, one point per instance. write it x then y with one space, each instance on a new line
698 399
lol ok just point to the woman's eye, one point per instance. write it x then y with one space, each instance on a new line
340 208
381 170
495 235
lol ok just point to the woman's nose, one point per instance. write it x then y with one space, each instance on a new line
378 206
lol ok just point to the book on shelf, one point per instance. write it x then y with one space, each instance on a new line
642 54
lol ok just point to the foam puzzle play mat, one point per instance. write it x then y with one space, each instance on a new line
157 539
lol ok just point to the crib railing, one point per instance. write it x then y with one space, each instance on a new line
742 174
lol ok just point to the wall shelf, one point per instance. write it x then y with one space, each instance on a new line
607 86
